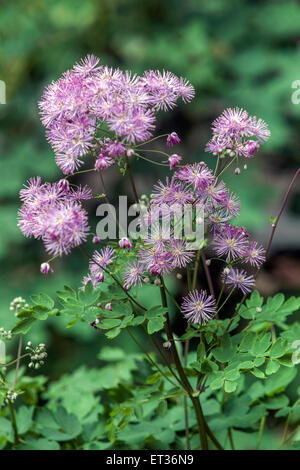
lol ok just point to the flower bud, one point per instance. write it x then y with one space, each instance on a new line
96 240
108 307
237 171
45 268
172 139
130 153
174 160
250 148
125 243
99 277
64 185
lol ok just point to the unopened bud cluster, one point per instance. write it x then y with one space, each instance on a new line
37 355
5 334
11 396
17 304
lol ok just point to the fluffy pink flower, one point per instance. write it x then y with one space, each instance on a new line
198 307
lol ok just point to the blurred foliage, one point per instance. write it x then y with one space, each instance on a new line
239 53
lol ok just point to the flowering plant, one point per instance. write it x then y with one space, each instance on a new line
227 372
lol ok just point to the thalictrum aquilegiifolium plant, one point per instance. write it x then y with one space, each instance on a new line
217 385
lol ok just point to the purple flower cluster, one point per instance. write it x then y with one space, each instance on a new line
238 133
53 213
75 108
97 266
102 111
162 252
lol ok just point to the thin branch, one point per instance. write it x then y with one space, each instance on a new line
18 361
281 210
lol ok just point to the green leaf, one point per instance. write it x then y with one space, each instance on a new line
201 352
43 300
261 344
24 418
218 382
156 312
38 444
226 351
276 383
279 348
89 295
276 402
283 412
155 324
259 361
230 387
246 365
74 321
247 342
113 333
67 293
139 411
272 367
58 426
138 320
39 312
162 408
108 323
258 373
23 326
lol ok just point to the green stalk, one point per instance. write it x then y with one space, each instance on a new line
260 432
195 275
195 401
14 422
149 357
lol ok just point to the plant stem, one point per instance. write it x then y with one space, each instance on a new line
151 140
18 361
132 181
114 278
281 210
14 361
172 298
151 161
260 432
122 232
164 358
155 151
208 276
231 438
189 279
195 401
13 422
228 296
195 275
270 239
149 357
226 167
217 165
185 404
